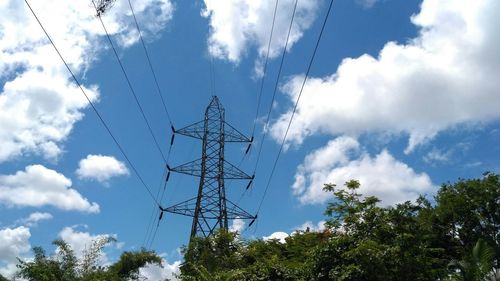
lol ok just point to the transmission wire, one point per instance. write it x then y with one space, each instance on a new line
265 69
150 65
261 88
155 208
77 82
275 87
295 107
274 95
129 84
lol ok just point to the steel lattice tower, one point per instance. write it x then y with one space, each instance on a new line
211 209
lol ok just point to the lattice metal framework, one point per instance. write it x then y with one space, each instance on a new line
211 209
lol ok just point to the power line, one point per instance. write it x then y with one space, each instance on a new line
275 87
265 68
295 107
155 208
154 235
93 107
274 93
149 237
150 65
129 83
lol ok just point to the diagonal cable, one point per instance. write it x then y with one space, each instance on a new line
129 84
275 87
150 65
93 107
265 68
295 106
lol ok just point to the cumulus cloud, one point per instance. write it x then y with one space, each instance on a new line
100 168
14 242
445 77
81 241
38 103
38 186
153 272
34 218
237 225
237 25
279 235
342 160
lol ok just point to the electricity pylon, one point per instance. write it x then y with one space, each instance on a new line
211 209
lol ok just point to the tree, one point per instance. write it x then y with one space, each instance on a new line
65 266
370 242
467 211
477 266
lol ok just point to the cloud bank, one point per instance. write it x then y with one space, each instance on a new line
235 26
38 186
39 104
445 77
342 159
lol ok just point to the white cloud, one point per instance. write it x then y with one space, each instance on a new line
445 77
39 105
14 242
342 160
237 25
436 155
81 242
367 3
279 235
237 225
34 218
153 272
38 186
100 168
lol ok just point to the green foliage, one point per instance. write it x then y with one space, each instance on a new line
365 241
375 243
127 267
65 266
225 257
476 266
456 238
91 256
467 211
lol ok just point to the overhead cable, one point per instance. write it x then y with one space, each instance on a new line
295 106
77 82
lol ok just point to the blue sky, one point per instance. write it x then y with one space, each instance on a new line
402 95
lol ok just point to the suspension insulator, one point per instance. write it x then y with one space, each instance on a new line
172 139
168 167
161 216
252 221
250 182
249 145
168 176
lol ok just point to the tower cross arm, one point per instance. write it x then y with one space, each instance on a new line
192 168
236 212
234 173
185 208
231 134
195 130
